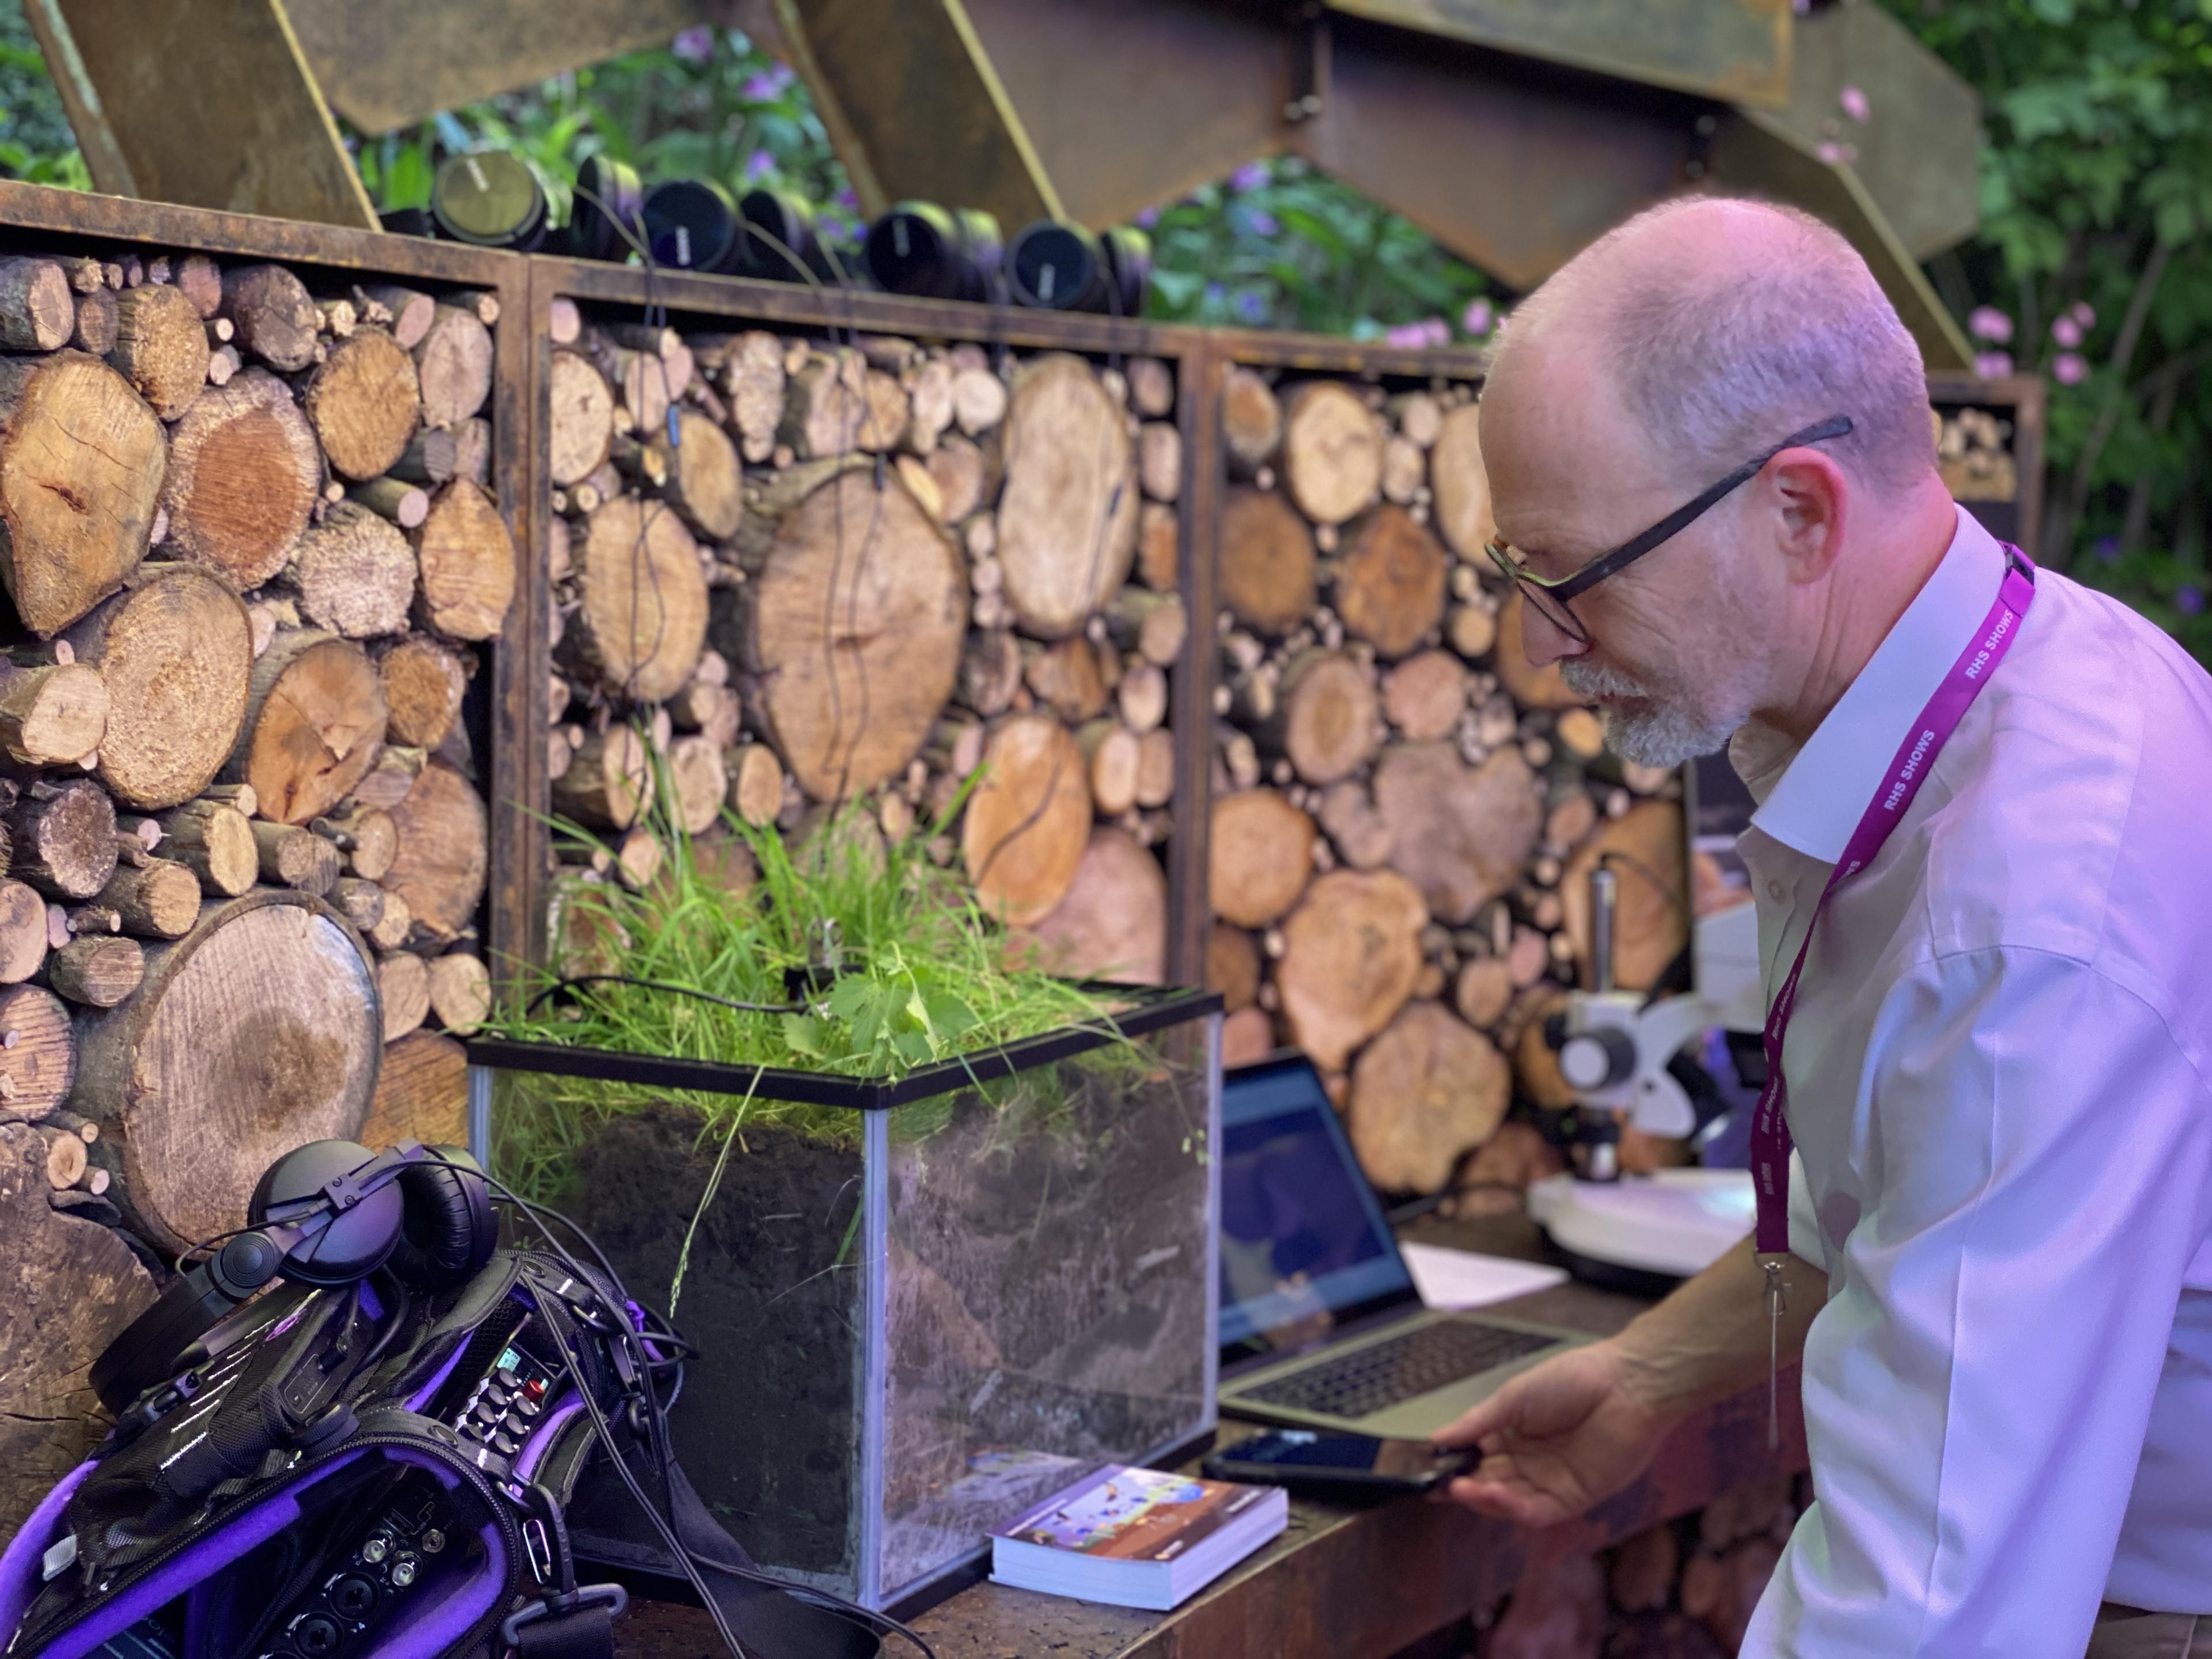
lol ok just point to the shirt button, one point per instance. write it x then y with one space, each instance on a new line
1777 891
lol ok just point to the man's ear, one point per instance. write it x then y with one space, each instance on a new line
1811 496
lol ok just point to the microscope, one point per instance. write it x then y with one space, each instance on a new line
1614 1047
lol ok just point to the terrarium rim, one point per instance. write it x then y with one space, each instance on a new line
1156 1010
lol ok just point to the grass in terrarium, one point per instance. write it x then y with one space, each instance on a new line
926 980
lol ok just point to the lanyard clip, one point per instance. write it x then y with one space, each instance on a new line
1778 1298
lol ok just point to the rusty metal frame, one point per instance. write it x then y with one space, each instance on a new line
35 218
727 301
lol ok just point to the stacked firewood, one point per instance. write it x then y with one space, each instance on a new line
250 555
1685 1589
1973 448
1406 814
795 576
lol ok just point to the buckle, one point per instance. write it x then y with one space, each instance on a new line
614 1597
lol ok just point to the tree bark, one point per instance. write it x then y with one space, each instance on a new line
368 837
444 853
37 311
1483 992
96 314
1068 677
244 474
73 1287
421 1094
1113 923
1332 452
275 316
1156 767
158 899
314 719
215 841
175 652
424 680
1159 547
295 858
1028 823
452 364
1363 836
411 311
63 839
753 382
609 781
1460 834
1159 460
22 937
466 559
756 784
1425 1092
365 403
1390 584
81 468
1267 563
1067 515
1112 752
403 991
51 715
856 624
1327 719
460 992
1152 625
97 971
705 478
161 347
1351 954
38 1069
256 1032
1460 485
698 781
1260 849
643 620
354 572
580 416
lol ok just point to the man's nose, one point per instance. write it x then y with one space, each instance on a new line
1543 641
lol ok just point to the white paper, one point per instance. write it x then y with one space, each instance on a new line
1453 1280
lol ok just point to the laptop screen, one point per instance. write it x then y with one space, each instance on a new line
1303 1240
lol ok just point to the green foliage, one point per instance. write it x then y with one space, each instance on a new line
35 140
2092 268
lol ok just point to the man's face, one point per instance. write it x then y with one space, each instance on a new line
1675 657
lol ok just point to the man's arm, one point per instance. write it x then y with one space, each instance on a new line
2037 1153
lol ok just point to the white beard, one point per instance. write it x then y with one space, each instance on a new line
1669 729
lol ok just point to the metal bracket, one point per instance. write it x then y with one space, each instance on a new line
1309 62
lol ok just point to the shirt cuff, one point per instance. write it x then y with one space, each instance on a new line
1805 1241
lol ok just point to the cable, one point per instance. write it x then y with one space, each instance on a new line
573 981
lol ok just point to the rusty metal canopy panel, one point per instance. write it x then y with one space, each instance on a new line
1736 50
1918 152
388 63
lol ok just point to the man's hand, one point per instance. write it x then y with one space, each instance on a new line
1558 1437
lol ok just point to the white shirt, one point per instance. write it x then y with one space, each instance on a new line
1998 1073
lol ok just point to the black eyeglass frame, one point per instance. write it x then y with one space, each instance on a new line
1551 596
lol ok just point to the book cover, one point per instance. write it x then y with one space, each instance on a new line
1133 1514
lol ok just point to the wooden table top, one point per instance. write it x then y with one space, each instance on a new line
1343 1583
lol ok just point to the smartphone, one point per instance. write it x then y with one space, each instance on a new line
1340 1465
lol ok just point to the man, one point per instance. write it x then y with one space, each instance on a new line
1997 1064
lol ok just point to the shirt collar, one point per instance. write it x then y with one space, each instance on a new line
1813 797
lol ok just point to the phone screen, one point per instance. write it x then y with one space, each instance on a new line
1302 1450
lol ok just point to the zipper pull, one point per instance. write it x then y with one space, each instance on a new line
1778 1298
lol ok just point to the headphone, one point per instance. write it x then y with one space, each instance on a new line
330 1213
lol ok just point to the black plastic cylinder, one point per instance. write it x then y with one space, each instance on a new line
489 198
780 243
1053 266
691 224
1128 254
610 201
935 254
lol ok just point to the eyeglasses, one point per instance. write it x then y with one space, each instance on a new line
1552 597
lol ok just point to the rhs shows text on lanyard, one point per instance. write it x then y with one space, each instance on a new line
1916 758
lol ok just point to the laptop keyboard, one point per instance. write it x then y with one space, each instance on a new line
1384 1374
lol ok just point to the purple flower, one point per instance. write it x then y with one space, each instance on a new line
1830 152
2084 313
2070 369
759 165
1147 217
2189 600
2107 549
1214 293
1251 305
695 44
847 200
1993 365
2066 331
1251 176
765 85
1262 224
1855 104
1476 318
1988 323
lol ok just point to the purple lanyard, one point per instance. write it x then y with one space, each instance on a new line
1916 758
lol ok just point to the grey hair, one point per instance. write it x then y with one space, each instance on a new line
1720 366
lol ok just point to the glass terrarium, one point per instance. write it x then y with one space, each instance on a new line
920 1304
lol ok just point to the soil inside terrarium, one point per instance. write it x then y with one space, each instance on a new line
767 1428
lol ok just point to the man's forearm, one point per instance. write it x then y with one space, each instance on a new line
1709 1339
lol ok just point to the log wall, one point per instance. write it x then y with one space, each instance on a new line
258 483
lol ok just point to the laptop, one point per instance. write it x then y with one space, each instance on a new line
1321 1325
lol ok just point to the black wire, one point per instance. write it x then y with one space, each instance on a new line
1416 1208
567 983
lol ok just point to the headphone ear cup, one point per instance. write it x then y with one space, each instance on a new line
450 1230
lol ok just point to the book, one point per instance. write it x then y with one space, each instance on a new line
1136 1538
